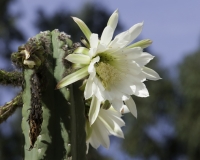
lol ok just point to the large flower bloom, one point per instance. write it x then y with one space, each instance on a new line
108 122
115 69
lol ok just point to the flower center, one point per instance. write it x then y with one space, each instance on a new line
106 57
107 74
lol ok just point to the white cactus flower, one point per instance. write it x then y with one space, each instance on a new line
113 68
108 122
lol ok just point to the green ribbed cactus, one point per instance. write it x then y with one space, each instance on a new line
53 121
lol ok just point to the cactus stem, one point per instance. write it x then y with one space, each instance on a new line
11 78
9 108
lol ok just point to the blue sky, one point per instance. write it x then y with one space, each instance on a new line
173 26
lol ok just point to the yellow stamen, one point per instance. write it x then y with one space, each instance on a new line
107 74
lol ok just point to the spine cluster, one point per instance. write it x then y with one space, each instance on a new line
35 118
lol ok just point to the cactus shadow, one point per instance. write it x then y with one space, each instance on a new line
58 122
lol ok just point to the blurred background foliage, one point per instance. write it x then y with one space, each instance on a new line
168 123
9 33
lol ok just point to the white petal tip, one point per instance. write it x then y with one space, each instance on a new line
74 18
91 122
116 11
140 24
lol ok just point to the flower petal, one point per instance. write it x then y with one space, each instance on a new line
87 147
73 77
92 89
127 67
97 92
92 52
140 89
77 66
101 133
119 40
94 109
92 63
134 31
81 50
125 38
85 42
94 40
78 58
101 48
115 115
113 20
117 104
143 44
144 58
129 53
150 74
125 88
107 123
86 31
88 130
94 140
109 29
111 125
125 109
88 88
107 35
131 106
